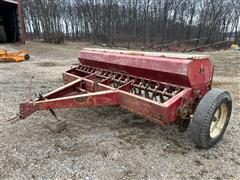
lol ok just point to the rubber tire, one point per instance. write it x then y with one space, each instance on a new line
26 57
203 116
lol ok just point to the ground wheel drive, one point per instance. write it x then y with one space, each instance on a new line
165 88
211 118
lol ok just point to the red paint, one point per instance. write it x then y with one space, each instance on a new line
184 72
152 87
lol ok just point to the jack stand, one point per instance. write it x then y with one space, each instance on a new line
55 125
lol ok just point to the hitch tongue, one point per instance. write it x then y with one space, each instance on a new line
26 109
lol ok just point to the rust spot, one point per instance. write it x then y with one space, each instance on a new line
82 99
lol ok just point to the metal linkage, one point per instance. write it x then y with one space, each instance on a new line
153 90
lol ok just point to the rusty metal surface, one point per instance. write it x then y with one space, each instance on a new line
20 11
163 90
175 70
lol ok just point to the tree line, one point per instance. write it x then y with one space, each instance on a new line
132 21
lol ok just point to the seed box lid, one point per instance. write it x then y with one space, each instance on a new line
153 54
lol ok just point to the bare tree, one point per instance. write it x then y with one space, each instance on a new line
145 21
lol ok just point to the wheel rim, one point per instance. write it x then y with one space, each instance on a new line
219 120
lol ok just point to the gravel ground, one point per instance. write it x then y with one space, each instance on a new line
104 143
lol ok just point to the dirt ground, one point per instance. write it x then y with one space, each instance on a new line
104 143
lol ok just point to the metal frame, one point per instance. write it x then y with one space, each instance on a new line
112 78
16 56
91 87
